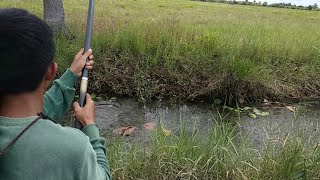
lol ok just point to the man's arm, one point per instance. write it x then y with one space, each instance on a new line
94 164
57 100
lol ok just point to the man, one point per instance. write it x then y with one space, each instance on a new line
32 145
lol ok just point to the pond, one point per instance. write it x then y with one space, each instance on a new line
276 124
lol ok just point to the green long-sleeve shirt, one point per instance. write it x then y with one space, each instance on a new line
48 150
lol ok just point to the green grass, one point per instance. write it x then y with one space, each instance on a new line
223 154
185 49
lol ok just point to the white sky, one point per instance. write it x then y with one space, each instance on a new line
296 2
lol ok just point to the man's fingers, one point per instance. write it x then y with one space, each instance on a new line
88 99
89 67
91 57
76 106
87 54
90 63
79 54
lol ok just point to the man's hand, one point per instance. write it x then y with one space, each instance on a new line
85 115
80 61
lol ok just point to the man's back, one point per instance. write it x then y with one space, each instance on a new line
49 151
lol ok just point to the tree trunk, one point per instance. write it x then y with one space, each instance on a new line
54 15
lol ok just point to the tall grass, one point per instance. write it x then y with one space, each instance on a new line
193 49
223 154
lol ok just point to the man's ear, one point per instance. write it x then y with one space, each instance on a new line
51 72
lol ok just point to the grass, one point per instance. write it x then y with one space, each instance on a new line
185 49
223 154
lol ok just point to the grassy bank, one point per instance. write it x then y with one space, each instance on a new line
224 154
191 49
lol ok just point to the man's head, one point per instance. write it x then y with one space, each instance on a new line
26 52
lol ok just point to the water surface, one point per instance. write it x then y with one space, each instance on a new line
199 117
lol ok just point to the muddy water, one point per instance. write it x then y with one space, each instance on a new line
198 117
281 124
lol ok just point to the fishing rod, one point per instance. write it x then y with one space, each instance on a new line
85 72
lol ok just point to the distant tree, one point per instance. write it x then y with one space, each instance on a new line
315 6
276 5
53 13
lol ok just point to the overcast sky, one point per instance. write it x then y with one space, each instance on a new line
296 2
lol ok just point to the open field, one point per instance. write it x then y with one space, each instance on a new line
185 49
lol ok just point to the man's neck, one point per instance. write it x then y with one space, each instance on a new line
21 105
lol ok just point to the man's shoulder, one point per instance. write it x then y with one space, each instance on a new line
61 139
59 130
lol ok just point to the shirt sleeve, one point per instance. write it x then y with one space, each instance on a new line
57 100
94 164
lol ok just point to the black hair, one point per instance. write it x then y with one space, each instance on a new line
26 51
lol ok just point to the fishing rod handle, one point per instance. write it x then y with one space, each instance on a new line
82 96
